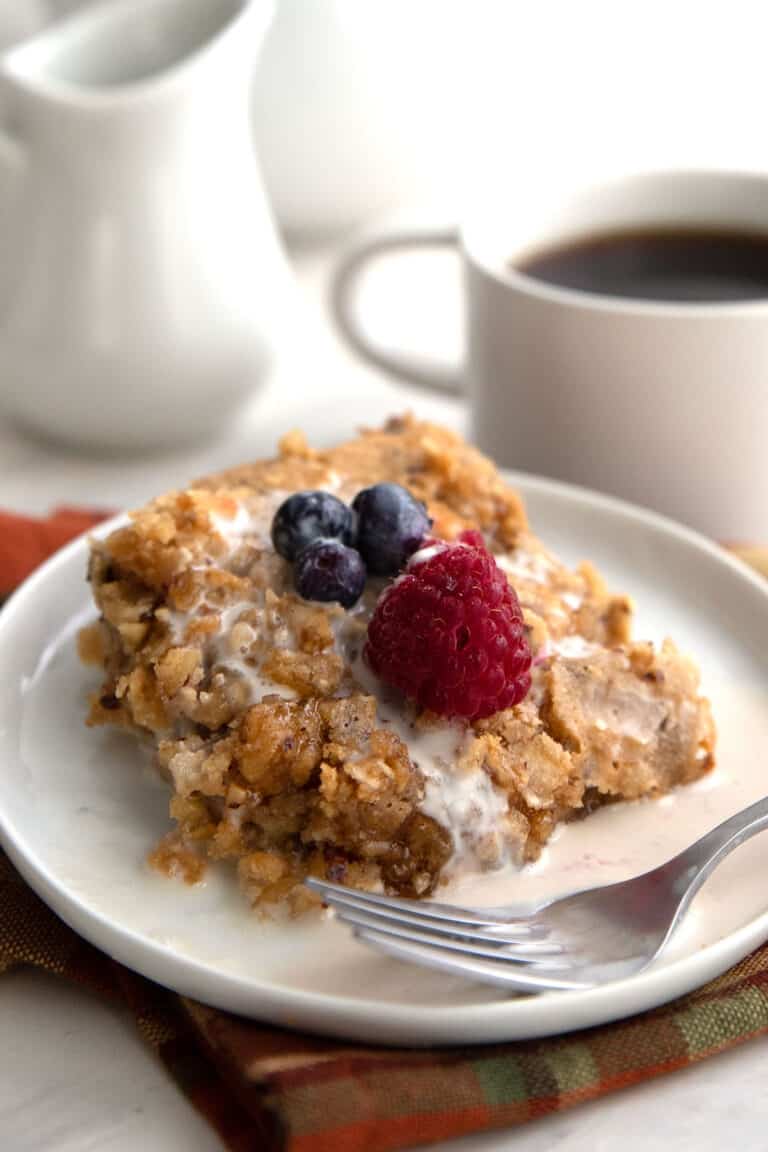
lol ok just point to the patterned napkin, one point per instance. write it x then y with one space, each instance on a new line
268 1090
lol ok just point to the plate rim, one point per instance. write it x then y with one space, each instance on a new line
332 1014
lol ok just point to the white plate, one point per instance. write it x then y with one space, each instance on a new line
79 809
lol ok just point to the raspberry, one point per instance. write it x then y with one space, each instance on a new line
449 633
473 537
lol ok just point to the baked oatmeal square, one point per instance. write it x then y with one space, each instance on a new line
288 756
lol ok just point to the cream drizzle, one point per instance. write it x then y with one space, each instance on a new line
464 801
531 566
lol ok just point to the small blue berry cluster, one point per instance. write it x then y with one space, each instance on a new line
334 547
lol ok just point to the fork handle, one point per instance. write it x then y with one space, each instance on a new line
692 867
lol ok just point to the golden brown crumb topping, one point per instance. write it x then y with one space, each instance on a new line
281 753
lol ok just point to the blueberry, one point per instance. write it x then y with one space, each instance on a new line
391 523
328 570
308 516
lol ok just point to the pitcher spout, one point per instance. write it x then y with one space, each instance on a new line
126 48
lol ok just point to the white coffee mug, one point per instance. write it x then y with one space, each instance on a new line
665 404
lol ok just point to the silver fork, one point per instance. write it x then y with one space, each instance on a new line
576 941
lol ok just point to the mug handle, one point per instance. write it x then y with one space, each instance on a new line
415 369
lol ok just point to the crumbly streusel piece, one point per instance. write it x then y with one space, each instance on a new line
284 757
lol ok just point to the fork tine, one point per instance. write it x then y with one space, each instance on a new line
504 951
534 942
512 979
405 912
419 910
438 931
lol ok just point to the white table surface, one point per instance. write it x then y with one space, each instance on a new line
74 1074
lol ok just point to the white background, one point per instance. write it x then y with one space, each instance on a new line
365 105
382 105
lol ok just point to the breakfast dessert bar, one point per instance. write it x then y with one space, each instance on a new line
361 664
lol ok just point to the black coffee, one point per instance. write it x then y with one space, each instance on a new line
691 264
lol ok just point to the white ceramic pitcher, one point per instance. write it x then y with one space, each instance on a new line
139 265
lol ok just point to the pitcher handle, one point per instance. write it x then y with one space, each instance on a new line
415 369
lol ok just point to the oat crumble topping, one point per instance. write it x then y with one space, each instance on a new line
282 752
